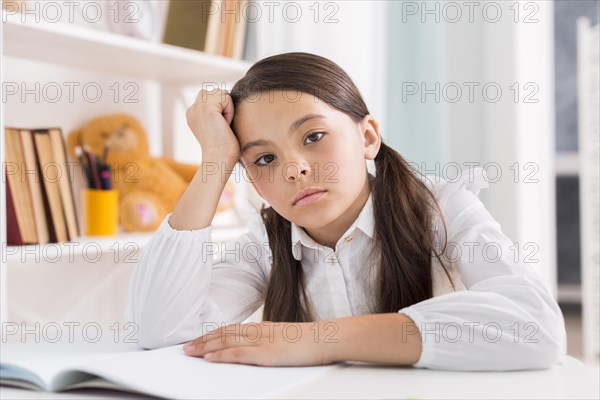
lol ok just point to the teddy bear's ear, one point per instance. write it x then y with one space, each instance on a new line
73 139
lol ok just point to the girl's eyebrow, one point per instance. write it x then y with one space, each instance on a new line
293 127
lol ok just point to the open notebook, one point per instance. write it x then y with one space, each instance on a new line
165 372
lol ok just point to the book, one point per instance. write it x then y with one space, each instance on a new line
223 23
213 30
34 182
13 232
42 204
50 174
20 193
187 23
241 30
165 372
65 182
235 28
229 26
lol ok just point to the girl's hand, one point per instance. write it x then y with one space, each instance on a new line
210 118
269 344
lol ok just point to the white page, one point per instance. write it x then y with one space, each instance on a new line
168 372
165 372
46 359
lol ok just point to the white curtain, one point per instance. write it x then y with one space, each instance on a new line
472 83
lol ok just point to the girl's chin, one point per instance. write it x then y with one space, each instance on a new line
312 217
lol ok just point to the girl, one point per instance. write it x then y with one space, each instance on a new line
351 263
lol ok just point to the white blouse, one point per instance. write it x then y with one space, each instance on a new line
502 315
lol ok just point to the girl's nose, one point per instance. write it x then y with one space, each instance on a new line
293 170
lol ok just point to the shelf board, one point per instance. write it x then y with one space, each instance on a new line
108 52
124 242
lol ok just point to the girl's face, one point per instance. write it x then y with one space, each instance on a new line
292 141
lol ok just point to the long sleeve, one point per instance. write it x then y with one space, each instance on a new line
507 319
185 284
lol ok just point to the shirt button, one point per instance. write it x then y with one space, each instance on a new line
348 238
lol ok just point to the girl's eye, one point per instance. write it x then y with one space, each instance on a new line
316 133
313 140
261 164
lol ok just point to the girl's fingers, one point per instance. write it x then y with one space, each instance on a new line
228 110
240 355
201 96
230 336
220 98
251 330
217 333
201 349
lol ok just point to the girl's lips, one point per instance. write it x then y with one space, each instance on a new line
310 199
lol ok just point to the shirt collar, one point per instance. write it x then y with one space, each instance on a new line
365 222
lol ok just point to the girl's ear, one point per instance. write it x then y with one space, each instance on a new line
370 136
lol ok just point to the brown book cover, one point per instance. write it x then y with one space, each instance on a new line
49 221
13 232
187 24
34 181
65 182
50 172
18 185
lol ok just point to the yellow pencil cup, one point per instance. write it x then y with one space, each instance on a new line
100 212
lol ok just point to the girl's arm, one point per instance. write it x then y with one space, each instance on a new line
390 338
507 319
178 290
197 206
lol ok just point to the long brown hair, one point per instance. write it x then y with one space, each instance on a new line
404 208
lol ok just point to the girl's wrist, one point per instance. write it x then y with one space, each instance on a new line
216 159
326 335
390 338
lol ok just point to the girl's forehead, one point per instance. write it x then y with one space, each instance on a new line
281 111
283 107
281 100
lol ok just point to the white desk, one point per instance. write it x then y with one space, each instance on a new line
571 379
367 381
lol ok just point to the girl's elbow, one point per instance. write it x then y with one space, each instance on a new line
551 346
557 345
550 335
545 356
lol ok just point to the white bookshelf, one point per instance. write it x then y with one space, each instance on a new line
107 52
102 52
123 242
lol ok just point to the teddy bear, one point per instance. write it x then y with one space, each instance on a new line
149 187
